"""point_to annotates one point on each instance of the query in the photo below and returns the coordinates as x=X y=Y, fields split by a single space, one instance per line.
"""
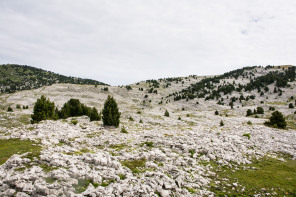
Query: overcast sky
x=121 y=42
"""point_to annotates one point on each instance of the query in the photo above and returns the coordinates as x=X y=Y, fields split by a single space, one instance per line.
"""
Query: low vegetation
x=17 y=146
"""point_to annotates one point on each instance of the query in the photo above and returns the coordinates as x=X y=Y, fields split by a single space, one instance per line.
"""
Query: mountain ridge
x=16 y=77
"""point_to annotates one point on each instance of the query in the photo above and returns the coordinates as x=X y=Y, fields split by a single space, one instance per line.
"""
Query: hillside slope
x=188 y=153
x=21 y=77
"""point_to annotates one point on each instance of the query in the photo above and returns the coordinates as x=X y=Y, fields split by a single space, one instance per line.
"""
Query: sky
x=123 y=42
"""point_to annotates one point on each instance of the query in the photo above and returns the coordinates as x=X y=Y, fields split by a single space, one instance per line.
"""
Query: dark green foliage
x=46 y=110
x=110 y=112
x=179 y=118
x=128 y=87
x=271 y=108
x=166 y=113
x=277 y=120
x=141 y=121
x=216 y=112
x=43 y=110
x=291 y=106
x=131 y=118
x=18 y=106
x=75 y=108
x=221 y=123
x=94 y=115
x=9 y=109
x=123 y=130
x=249 y=112
x=24 y=107
x=260 y=110
x=17 y=77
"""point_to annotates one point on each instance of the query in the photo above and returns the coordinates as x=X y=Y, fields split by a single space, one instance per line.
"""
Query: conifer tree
x=43 y=110
x=166 y=113
x=110 y=112
x=94 y=115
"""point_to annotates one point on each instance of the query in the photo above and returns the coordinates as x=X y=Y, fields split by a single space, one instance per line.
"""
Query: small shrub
x=216 y=112
x=277 y=120
x=291 y=106
x=140 y=121
x=149 y=144
x=187 y=115
x=9 y=109
x=249 y=123
x=131 y=118
x=123 y=130
x=221 y=123
x=122 y=176
x=271 y=108
x=191 y=151
x=249 y=112
x=74 y=121
x=248 y=135
x=260 y=110
x=18 y=106
x=24 y=107
x=181 y=119
x=166 y=113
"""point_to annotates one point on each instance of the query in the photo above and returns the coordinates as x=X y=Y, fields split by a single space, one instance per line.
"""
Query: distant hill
x=21 y=77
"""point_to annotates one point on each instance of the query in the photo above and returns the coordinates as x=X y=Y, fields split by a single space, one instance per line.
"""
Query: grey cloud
x=121 y=42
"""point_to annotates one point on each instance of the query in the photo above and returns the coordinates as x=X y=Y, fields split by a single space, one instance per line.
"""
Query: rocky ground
x=158 y=156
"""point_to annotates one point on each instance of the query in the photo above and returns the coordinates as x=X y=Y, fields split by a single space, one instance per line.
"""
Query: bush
x=18 y=106
x=43 y=110
x=73 y=121
x=249 y=112
x=166 y=113
x=75 y=108
x=277 y=120
x=216 y=112
x=123 y=130
x=221 y=123
x=131 y=119
x=141 y=121
x=249 y=123
x=94 y=115
x=260 y=110
x=271 y=108
x=110 y=112
x=9 y=109
x=291 y=106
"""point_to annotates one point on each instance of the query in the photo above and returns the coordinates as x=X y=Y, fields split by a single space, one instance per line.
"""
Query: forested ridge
x=15 y=77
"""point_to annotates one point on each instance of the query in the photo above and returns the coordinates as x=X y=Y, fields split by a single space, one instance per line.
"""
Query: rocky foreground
x=175 y=155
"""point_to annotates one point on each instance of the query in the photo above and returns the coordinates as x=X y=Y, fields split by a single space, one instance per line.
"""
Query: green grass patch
x=248 y=135
x=137 y=166
x=50 y=180
x=278 y=103
x=118 y=147
x=266 y=175
x=291 y=125
x=46 y=168
x=17 y=146
x=82 y=185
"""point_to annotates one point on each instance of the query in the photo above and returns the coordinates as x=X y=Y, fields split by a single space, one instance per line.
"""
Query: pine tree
x=166 y=113
x=94 y=115
x=277 y=119
x=43 y=110
x=110 y=112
